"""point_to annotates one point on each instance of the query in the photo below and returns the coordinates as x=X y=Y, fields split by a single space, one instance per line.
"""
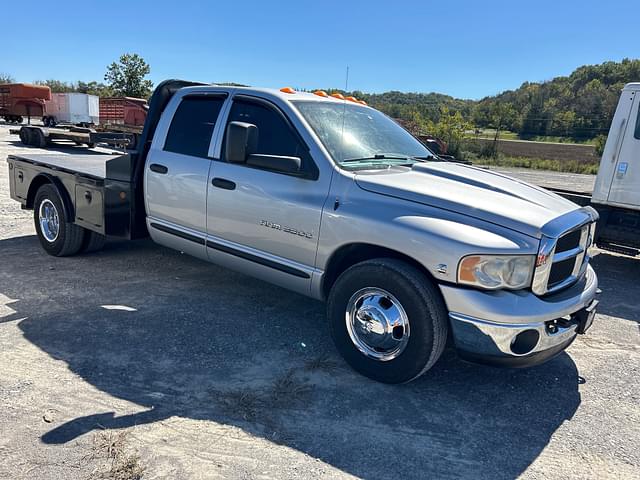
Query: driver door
x=260 y=221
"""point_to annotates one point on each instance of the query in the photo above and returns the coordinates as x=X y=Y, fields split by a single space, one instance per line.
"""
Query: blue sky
x=462 y=48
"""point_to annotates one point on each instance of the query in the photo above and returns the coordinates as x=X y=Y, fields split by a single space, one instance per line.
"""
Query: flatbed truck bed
x=98 y=188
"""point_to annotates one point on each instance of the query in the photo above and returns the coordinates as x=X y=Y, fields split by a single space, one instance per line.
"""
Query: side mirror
x=276 y=163
x=241 y=141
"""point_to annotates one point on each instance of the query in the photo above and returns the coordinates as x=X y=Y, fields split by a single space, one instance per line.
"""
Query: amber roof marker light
x=287 y=90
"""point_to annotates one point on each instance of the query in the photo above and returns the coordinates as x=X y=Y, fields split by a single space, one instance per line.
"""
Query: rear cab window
x=192 y=125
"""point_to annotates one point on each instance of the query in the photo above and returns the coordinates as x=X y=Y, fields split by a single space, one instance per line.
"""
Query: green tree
x=95 y=88
x=601 y=141
x=126 y=77
x=57 y=86
x=450 y=128
x=6 y=78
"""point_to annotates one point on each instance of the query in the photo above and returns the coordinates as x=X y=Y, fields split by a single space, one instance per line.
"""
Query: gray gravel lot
x=216 y=375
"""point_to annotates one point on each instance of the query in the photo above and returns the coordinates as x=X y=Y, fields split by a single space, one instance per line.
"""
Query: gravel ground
x=140 y=357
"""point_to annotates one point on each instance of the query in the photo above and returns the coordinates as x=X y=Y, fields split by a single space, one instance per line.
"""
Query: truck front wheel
x=57 y=235
x=387 y=319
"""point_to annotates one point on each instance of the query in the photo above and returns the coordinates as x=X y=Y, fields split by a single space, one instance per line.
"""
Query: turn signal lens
x=287 y=90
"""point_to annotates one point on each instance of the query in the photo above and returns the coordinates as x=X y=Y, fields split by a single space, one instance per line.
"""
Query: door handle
x=223 y=183
x=156 y=167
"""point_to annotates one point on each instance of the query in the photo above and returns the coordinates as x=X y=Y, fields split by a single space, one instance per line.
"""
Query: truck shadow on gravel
x=619 y=280
x=182 y=338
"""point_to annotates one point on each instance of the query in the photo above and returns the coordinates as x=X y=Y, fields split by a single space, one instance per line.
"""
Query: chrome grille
x=563 y=253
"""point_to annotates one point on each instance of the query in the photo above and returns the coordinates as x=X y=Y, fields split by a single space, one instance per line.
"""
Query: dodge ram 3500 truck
x=332 y=199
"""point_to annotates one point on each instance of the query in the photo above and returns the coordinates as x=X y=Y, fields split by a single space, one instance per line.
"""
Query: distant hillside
x=427 y=105
x=580 y=105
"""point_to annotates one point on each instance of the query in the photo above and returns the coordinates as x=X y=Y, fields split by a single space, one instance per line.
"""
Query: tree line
x=579 y=106
x=124 y=78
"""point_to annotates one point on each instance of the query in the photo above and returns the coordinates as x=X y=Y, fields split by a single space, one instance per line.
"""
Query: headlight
x=497 y=271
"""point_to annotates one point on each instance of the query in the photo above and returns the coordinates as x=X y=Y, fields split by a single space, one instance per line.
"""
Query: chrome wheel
x=49 y=220
x=377 y=324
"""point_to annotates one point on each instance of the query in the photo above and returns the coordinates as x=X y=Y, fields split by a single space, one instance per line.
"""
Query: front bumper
x=516 y=328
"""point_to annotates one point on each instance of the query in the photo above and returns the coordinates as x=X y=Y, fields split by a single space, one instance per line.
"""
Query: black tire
x=91 y=145
x=422 y=303
x=18 y=119
x=25 y=138
x=39 y=140
x=69 y=237
x=93 y=241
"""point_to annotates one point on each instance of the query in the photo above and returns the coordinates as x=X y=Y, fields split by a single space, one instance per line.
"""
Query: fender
x=44 y=178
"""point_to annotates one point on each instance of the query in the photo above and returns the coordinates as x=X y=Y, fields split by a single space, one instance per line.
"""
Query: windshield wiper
x=378 y=156
x=428 y=158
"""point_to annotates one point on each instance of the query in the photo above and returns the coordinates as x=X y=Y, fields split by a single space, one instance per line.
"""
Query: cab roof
x=285 y=94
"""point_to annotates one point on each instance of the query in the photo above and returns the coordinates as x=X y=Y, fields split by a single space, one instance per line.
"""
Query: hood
x=471 y=191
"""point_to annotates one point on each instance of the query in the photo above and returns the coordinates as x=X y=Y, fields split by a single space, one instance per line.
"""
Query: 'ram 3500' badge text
x=293 y=231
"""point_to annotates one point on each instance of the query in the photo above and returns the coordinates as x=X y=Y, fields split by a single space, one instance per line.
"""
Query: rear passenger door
x=177 y=170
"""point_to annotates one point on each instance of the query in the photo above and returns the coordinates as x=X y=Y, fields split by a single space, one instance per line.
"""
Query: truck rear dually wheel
x=93 y=241
x=57 y=235
x=387 y=319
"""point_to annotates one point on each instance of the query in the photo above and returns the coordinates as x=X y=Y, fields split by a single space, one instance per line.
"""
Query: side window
x=192 y=125
x=275 y=135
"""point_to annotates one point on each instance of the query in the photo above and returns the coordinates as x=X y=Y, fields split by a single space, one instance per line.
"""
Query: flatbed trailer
x=38 y=136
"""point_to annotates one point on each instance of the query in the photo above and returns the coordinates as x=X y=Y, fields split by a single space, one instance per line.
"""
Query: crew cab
x=330 y=198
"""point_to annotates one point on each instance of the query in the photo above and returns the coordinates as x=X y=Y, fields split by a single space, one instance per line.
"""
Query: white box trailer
x=72 y=108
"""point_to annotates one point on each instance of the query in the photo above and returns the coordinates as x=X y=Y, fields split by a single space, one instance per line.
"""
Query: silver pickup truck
x=330 y=198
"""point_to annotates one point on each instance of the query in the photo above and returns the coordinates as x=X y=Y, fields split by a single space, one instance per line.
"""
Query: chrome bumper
x=518 y=327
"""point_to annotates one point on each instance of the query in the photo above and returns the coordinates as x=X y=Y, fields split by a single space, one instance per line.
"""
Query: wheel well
x=36 y=183
x=44 y=179
x=348 y=255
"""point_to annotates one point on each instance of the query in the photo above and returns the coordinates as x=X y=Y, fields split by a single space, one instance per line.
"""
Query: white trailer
x=73 y=109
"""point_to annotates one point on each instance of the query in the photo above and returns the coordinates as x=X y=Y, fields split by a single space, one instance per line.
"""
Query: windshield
x=359 y=137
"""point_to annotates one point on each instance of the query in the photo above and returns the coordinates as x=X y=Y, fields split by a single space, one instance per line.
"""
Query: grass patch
x=118 y=461
x=568 y=166
x=322 y=364
x=489 y=134
x=258 y=405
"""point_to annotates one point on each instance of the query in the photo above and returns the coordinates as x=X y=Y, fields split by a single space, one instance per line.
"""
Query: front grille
x=562 y=259
x=560 y=271
x=569 y=241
